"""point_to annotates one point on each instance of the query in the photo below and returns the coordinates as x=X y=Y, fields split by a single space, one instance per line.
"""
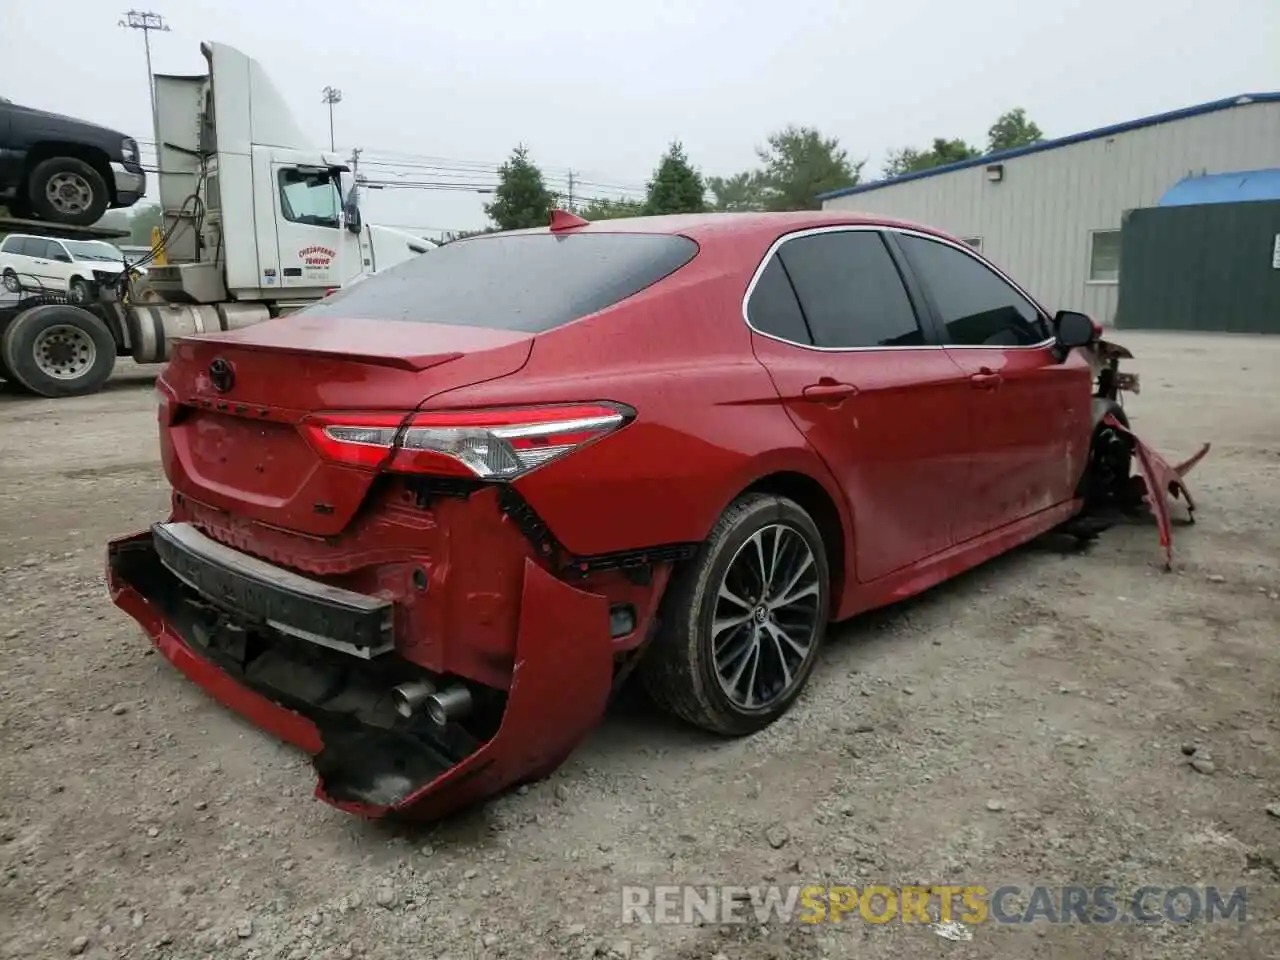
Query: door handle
x=985 y=380
x=828 y=391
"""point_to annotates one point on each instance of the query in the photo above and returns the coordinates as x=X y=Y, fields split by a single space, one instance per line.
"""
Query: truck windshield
x=528 y=282
x=309 y=197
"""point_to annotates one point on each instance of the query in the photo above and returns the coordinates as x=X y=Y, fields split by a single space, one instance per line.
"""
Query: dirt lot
x=1020 y=725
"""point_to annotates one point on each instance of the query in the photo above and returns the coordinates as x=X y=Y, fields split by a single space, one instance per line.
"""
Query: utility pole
x=570 y=191
x=146 y=21
x=332 y=95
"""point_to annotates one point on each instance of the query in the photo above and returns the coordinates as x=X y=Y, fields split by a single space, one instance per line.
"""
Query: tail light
x=489 y=444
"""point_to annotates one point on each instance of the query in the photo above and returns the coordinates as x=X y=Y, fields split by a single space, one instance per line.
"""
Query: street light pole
x=146 y=21
x=332 y=95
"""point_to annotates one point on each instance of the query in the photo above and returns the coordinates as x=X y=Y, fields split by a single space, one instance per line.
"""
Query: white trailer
x=258 y=222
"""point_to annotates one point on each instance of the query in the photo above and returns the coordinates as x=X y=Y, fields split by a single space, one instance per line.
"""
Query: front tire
x=743 y=620
x=79 y=291
x=67 y=190
x=1106 y=482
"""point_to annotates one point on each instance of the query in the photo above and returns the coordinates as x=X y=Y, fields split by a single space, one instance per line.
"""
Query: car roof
x=743 y=226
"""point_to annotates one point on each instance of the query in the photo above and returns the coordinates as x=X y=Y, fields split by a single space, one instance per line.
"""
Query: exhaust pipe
x=446 y=706
x=410 y=697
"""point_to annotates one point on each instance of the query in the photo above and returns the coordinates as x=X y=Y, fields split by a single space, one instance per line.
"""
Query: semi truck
x=257 y=222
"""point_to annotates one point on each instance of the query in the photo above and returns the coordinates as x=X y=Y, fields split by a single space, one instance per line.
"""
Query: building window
x=975 y=242
x=1104 y=256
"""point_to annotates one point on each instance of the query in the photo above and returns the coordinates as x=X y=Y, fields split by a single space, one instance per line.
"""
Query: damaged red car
x=424 y=528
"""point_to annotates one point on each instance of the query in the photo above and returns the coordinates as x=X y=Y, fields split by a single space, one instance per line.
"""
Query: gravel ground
x=1022 y=724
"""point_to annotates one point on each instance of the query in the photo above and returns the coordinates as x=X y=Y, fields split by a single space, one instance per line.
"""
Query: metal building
x=1051 y=213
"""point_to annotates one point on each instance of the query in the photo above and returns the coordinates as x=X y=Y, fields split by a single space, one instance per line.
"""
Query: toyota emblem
x=222 y=375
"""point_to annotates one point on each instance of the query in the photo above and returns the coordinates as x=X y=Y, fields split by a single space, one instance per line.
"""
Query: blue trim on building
x=1241 y=186
x=1183 y=114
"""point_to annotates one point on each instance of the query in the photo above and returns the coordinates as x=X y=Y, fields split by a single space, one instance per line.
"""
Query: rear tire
x=67 y=190
x=5 y=373
x=58 y=351
x=733 y=654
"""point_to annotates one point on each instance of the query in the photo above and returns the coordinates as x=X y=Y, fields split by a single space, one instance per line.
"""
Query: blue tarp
x=1240 y=187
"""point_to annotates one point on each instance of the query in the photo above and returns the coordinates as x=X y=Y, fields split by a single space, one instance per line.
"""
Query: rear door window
x=521 y=282
x=850 y=290
x=16 y=246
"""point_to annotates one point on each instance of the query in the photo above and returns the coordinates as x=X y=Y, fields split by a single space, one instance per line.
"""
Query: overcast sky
x=602 y=87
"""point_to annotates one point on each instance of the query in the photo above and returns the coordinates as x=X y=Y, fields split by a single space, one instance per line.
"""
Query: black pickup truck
x=65 y=170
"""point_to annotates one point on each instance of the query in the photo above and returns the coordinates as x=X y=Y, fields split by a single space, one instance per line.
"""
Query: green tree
x=742 y=191
x=1011 y=130
x=141 y=221
x=605 y=209
x=521 y=199
x=799 y=163
x=943 y=151
x=136 y=220
x=676 y=186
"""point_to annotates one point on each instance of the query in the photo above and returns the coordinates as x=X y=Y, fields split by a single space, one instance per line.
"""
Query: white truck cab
x=254 y=212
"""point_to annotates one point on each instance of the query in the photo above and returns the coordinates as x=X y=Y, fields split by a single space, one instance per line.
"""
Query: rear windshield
x=526 y=282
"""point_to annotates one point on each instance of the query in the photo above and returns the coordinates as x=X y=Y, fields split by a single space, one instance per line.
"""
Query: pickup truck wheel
x=58 y=350
x=742 y=620
x=67 y=190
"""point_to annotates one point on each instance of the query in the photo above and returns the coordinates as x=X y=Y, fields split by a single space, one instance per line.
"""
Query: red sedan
x=424 y=528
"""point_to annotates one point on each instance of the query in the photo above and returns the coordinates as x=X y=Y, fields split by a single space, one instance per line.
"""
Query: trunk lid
x=231 y=435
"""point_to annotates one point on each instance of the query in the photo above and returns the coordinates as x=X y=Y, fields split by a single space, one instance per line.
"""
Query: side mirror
x=351 y=214
x=1071 y=329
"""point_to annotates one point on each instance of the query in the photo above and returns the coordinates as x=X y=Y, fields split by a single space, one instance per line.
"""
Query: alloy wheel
x=766 y=617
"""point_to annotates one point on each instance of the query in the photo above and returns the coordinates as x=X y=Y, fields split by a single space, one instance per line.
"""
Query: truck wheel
x=67 y=190
x=58 y=350
x=742 y=620
x=5 y=373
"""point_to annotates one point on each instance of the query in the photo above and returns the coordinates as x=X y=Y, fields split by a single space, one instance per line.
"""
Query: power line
x=479 y=171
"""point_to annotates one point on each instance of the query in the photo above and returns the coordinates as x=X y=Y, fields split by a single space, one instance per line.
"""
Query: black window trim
x=936 y=314
x=926 y=312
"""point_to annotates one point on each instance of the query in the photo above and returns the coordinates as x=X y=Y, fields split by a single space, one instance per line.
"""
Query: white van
x=32 y=264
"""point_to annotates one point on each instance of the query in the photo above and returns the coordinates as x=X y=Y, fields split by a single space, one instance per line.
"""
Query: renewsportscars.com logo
x=949 y=903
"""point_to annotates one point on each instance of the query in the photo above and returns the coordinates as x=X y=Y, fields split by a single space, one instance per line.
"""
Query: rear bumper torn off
x=559 y=688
